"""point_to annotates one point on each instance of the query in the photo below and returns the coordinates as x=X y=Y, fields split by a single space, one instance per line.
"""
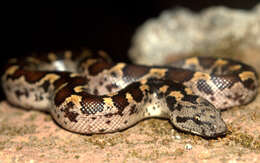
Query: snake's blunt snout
x=201 y=119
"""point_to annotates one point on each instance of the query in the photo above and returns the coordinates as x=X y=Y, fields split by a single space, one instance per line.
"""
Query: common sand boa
x=88 y=93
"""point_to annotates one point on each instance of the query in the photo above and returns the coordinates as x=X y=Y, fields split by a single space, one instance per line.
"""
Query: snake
x=87 y=93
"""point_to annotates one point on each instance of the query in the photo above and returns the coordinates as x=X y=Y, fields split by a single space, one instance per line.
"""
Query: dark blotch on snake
x=249 y=84
x=95 y=91
x=184 y=119
x=113 y=74
x=180 y=75
x=20 y=93
x=98 y=67
x=109 y=87
x=30 y=76
x=120 y=102
x=171 y=101
x=204 y=87
x=68 y=90
x=212 y=98
x=109 y=115
x=91 y=104
x=38 y=97
x=137 y=94
x=45 y=85
x=190 y=98
x=206 y=62
x=69 y=114
x=133 y=110
x=134 y=72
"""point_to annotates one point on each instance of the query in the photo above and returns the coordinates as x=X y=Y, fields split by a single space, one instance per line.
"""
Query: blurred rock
x=181 y=32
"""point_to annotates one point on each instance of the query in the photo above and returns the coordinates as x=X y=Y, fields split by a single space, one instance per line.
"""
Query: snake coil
x=88 y=93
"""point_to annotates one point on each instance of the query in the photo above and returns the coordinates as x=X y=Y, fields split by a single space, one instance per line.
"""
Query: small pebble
x=178 y=137
x=188 y=146
x=172 y=131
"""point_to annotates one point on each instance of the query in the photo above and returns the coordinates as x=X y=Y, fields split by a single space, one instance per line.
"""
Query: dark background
x=102 y=25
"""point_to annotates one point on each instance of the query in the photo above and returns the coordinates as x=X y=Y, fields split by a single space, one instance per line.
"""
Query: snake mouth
x=215 y=131
x=219 y=134
x=211 y=135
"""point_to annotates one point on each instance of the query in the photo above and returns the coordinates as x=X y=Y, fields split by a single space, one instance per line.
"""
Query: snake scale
x=85 y=92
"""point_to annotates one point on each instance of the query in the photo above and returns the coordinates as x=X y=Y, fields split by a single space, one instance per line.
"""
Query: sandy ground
x=32 y=136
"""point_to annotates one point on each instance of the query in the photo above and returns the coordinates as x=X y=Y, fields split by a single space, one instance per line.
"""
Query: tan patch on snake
x=103 y=54
x=108 y=101
x=158 y=72
x=90 y=62
x=164 y=88
x=200 y=75
x=246 y=75
x=177 y=94
x=33 y=60
x=192 y=61
x=235 y=67
x=11 y=70
x=51 y=77
x=118 y=67
x=74 y=75
x=188 y=91
x=112 y=94
x=221 y=62
x=52 y=57
x=68 y=54
x=144 y=87
x=74 y=99
x=143 y=81
x=129 y=97
x=62 y=86
x=79 y=88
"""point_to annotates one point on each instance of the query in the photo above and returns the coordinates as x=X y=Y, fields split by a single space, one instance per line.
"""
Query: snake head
x=201 y=119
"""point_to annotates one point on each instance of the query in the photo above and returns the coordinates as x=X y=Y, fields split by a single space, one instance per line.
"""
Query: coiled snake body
x=87 y=93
